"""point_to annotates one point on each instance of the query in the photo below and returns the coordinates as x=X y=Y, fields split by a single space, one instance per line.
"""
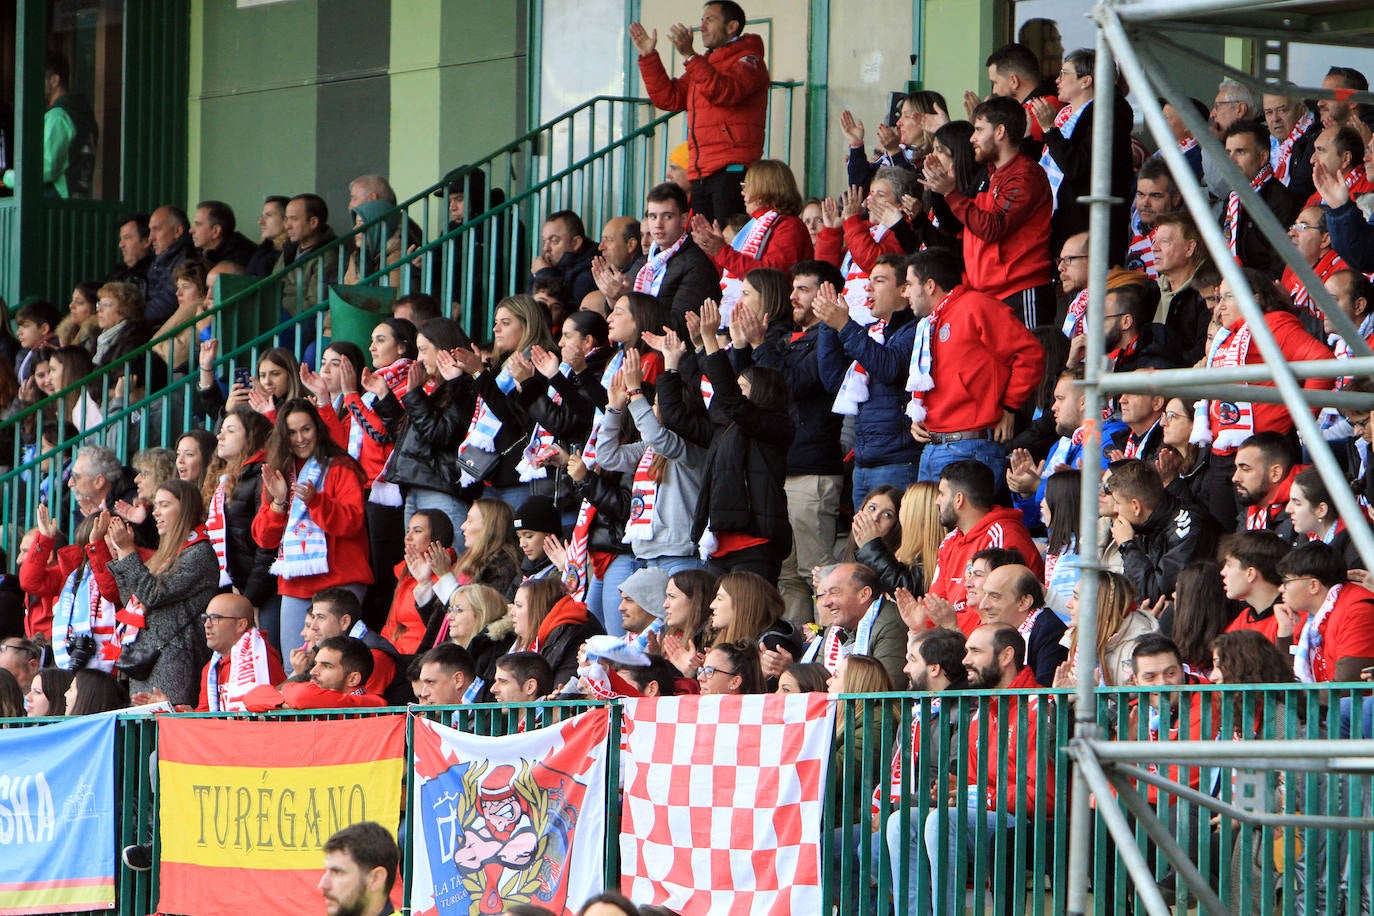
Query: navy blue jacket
x=882 y=430
x=1351 y=236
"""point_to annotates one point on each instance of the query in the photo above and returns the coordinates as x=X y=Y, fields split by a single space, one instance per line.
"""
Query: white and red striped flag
x=723 y=802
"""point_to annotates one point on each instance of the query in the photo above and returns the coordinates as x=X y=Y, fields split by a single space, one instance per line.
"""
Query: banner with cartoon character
x=517 y=819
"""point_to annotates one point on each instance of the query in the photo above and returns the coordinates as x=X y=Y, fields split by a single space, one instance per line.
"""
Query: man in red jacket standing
x=971 y=367
x=725 y=94
x=1006 y=225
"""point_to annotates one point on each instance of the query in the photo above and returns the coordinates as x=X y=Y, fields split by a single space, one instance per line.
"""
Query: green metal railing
x=869 y=857
x=469 y=267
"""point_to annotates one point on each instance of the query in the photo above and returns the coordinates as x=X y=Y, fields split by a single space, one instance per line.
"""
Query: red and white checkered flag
x=723 y=802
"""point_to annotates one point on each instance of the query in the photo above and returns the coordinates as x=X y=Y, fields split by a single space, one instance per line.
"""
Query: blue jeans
x=917 y=873
x=603 y=595
x=269 y=621
x=671 y=565
x=512 y=496
x=293 y=611
x=452 y=506
x=900 y=476
x=943 y=867
x=934 y=457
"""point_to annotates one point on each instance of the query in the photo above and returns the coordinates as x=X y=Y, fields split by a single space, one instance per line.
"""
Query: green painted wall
x=304 y=95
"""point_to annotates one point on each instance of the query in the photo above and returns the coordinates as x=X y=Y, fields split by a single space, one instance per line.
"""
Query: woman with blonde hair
x=151 y=467
x=859 y=727
x=500 y=423
x=912 y=563
x=775 y=236
x=492 y=553
x=478 y=619
x=1120 y=625
x=119 y=315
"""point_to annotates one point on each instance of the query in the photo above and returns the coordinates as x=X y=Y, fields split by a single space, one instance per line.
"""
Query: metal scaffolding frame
x=1126 y=32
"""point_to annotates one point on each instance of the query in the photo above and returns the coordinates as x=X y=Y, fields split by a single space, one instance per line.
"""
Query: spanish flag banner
x=244 y=808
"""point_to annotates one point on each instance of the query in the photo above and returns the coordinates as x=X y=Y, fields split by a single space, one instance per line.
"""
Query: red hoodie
x=337 y=508
x=1020 y=755
x=1007 y=229
x=1001 y=527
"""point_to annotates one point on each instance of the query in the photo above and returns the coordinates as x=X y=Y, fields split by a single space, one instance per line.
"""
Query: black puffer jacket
x=607 y=492
x=561 y=645
x=516 y=427
x=816 y=447
x=893 y=572
x=248 y=563
x=427 y=429
x=575 y=269
x=746 y=462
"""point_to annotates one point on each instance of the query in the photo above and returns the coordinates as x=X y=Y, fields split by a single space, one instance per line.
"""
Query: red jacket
x=1007 y=229
x=1001 y=527
x=1347 y=631
x=404 y=627
x=306 y=695
x=725 y=95
x=788 y=243
x=372 y=455
x=42 y=582
x=982 y=361
x=338 y=509
x=856 y=239
x=986 y=756
x=1296 y=344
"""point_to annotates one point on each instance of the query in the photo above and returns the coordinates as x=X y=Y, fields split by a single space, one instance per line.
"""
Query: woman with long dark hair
x=552 y=623
x=1198 y=614
x=687 y=619
x=311 y=514
x=164 y=596
x=233 y=496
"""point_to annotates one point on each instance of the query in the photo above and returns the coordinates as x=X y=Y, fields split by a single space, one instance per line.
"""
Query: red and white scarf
x=854 y=388
x=650 y=276
x=1297 y=290
x=1222 y=424
x=1284 y=153
x=577 y=573
x=1073 y=319
x=855 y=277
x=247 y=669
x=643 y=493
x=1309 y=642
x=541 y=440
x=1142 y=250
x=214 y=529
x=1233 y=207
x=133 y=617
x=1187 y=144
x=749 y=241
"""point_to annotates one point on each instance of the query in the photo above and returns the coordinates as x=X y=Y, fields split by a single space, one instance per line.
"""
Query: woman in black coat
x=742 y=512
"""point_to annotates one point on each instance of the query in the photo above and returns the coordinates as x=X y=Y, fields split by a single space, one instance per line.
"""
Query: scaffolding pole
x=1095 y=762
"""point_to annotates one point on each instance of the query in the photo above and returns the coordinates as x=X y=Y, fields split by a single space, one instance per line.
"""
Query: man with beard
x=1073 y=277
x=1130 y=336
x=1263 y=478
x=994 y=661
x=815 y=460
x=1007 y=224
x=360 y=864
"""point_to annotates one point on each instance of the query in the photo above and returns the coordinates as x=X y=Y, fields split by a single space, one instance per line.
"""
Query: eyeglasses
x=710 y=671
x=17 y=647
x=1170 y=416
x=1289 y=580
x=1070 y=258
x=1219 y=102
x=1299 y=227
x=1113 y=315
x=216 y=618
x=1359 y=424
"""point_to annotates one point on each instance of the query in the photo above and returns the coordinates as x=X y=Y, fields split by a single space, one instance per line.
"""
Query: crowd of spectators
x=638 y=481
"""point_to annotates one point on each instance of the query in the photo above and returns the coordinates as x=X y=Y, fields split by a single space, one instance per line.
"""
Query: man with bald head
x=242 y=659
x=169 y=231
x=620 y=242
x=862 y=622
x=1013 y=596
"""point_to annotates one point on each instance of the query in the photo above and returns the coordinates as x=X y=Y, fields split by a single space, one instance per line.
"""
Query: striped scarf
x=650 y=276
x=854 y=388
x=541 y=441
x=750 y=241
x=247 y=669
x=304 y=551
x=1327 y=265
x=1065 y=122
x=214 y=528
x=1222 y=424
x=486 y=426
x=1232 y=225
x=1310 y=641
x=96 y=618
x=1073 y=319
x=1142 y=249
x=855 y=277
x=612 y=367
x=577 y=576
x=919 y=380
x=1284 y=150
x=643 y=492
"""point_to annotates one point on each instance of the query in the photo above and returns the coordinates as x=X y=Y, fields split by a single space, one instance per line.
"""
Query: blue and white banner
x=57 y=817
x=500 y=821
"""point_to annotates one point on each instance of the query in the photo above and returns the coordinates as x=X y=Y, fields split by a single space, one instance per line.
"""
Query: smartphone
x=243 y=377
